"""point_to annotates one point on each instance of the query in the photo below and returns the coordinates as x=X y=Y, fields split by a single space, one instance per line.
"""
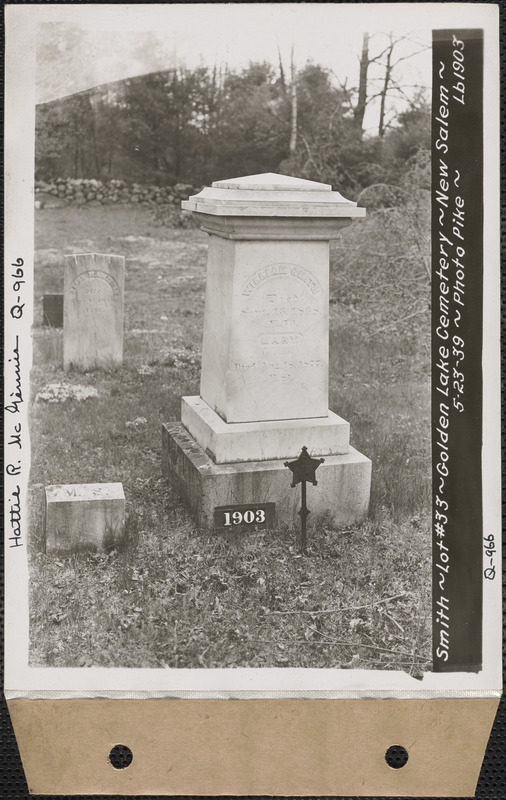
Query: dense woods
x=197 y=125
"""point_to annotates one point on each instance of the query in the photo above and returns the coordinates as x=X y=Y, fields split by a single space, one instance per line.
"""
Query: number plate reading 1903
x=242 y=517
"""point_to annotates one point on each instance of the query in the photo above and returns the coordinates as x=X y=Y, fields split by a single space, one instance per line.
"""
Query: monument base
x=262 y=441
x=341 y=497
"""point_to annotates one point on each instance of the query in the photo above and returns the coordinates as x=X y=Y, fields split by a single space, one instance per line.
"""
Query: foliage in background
x=381 y=268
x=198 y=125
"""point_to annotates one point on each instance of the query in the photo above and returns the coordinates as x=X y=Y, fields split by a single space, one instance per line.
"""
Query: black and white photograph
x=250 y=345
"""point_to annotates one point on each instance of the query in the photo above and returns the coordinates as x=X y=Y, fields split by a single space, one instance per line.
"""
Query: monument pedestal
x=341 y=497
x=264 y=381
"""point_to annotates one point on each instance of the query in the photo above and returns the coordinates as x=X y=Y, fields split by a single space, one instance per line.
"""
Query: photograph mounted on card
x=252 y=394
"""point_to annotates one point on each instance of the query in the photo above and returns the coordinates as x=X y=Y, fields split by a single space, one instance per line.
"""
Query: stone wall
x=81 y=191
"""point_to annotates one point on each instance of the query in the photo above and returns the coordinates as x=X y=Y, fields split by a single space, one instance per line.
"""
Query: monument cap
x=270 y=181
x=271 y=195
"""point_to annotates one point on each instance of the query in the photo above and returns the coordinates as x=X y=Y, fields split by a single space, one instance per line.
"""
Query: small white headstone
x=93 y=311
x=84 y=516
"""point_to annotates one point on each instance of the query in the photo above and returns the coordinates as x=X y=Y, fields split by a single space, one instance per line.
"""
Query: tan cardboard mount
x=279 y=747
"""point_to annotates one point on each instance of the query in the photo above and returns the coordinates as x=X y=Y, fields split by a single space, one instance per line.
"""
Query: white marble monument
x=93 y=311
x=264 y=381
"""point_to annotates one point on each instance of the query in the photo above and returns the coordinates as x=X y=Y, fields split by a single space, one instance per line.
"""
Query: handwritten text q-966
x=16 y=310
x=490 y=553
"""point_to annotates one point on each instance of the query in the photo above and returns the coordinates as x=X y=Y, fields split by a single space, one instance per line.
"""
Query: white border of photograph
x=20 y=679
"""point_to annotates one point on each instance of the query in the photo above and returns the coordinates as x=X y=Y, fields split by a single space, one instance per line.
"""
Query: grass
x=175 y=596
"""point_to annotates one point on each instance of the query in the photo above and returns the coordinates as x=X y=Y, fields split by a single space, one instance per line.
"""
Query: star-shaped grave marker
x=304 y=469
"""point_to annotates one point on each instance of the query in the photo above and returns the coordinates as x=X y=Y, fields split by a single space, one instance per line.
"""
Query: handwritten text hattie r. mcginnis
x=17 y=395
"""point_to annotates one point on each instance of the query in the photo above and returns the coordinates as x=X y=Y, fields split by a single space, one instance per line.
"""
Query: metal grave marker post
x=304 y=469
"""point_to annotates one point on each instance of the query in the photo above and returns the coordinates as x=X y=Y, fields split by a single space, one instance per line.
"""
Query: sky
x=85 y=45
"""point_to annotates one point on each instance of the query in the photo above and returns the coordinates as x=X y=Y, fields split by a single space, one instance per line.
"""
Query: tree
x=327 y=145
x=411 y=132
x=50 y=141
x=253 y=134
x=378 y=79
x=359 y=111
x=66 y=135
x=389 y=86
x=293 y=106
x=108 y=132
x=166 y=117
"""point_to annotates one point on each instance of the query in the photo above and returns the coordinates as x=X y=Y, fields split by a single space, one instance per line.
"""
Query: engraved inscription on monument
x=90 y=291
x=281 y=341
x=94 y=291
x=283 y=270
